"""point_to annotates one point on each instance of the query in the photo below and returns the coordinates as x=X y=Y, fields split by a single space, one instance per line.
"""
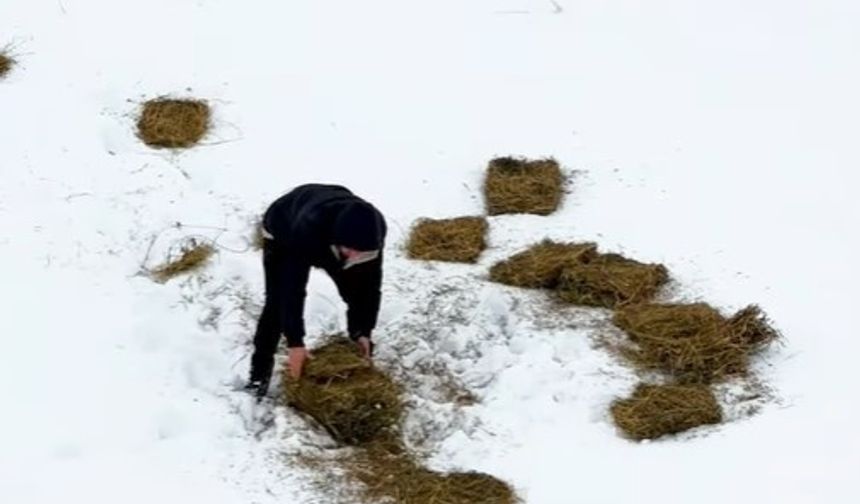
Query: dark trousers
x=268 y=327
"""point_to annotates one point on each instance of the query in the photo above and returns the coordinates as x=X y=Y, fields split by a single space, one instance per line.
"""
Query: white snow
x=718 y=138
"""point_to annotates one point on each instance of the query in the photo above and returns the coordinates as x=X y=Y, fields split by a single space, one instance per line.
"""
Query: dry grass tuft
x=172 y=123
x=610 y=281
x=355 y=402
x=541 y=265
x=657 y=410
x=752 y=328
x=257 y=238
x=693 y=343
x=516 y=185
x=192 y=256
x=389 y=473
x=6 y=63
x=461 y=239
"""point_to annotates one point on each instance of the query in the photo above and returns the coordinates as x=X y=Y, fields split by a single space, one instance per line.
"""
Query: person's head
x=358 y=228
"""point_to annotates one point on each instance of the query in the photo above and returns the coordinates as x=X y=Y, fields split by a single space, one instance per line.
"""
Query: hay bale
x=461 y=239
x=610 y=281
x=6 y=63
x=541 y=265
x=360 y=405
x=693 y=343
x=355 y=402
x=657 y=410
x=517 y=185
x=675 y=321
x=172 y=123
x=396 y=475
x=192 y=256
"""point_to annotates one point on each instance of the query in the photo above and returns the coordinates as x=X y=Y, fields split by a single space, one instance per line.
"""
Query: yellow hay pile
x=693 y=343
x=387 y=473
x=514 y=185
x=541 y=265
x=361 y=406
x=610 y=281
x=172 y=123
x=456 y=240
x=656 y=410
x=355 y=402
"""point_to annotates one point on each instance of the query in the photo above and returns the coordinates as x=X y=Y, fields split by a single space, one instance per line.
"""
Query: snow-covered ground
x=718 y=138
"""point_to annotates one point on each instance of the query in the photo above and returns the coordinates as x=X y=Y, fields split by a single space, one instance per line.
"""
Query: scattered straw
x=6 y=64
x=355 y=402
x=752 y=328
x=172 y=123
x=693 y=343
x=657 y=410
x=192 y=256
x=517 y=185
x=610 y=281
x=541 y=265
x=457 y=240
x=387 y=473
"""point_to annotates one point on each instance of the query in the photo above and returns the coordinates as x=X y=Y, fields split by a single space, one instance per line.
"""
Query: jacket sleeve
x=360 y=287
x=291 y=285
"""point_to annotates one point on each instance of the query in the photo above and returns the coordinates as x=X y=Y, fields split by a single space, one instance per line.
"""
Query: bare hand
x=296 y=361
x=364 y=346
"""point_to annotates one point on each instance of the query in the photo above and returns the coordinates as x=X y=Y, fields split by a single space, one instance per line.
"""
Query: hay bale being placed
x=191 y=256
x=396 y=475
x=456 y=240
x=172 y=123
x=541 y=265
x=6 y=63
x=693 y=342
x=522 y=186
x=360 y=405
x=657 y=410
x=355 y=402
x=610 y=281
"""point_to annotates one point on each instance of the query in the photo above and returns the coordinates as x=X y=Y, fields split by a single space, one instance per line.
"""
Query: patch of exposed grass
x=461 y=239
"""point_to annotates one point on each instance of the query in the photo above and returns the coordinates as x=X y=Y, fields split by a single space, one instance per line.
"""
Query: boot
x=258 y=388
x=261 y=373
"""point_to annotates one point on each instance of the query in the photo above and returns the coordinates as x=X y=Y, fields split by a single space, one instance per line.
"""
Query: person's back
x=305 y=211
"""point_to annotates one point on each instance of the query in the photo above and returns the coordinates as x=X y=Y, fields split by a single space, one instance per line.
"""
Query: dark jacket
x=304 y=225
